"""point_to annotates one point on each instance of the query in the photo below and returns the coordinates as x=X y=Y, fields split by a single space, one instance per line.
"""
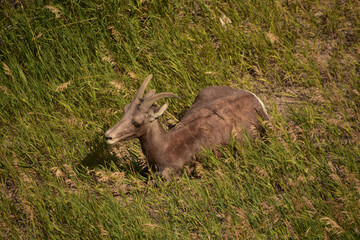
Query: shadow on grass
x=102 y=156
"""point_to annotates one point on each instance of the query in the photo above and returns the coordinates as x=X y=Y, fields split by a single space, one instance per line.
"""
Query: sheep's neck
x=154 y=141
x=170 y=148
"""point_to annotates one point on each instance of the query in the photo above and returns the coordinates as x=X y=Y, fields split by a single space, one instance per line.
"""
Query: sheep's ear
x=157 y=114
x=150 y=93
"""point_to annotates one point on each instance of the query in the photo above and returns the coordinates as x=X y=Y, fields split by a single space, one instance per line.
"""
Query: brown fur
x=217 y=113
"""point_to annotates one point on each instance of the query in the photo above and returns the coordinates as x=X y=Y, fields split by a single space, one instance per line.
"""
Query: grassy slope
x=68 y=68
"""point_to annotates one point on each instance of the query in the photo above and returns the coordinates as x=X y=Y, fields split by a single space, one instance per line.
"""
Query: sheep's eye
x=136 y=124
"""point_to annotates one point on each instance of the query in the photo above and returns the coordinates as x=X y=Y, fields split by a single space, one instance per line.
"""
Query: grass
x=69 y=67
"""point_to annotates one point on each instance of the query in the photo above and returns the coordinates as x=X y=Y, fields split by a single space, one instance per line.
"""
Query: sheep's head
x=138 y=114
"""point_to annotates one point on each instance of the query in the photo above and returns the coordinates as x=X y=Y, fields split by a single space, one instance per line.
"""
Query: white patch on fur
x=262 y=104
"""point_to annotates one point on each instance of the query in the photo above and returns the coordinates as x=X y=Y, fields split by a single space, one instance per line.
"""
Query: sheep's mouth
x=114 y=140
x=111 y=141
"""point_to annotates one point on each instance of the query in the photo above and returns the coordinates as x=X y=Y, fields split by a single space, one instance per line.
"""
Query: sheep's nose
x=107 y=137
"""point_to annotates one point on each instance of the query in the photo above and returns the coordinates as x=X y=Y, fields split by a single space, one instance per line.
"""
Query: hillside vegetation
x=67 y=68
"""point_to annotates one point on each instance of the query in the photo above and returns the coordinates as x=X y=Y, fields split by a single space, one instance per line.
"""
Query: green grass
x=67 y=68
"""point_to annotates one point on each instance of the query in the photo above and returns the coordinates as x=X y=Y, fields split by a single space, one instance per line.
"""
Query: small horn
x=149 y=101
x=143 y=86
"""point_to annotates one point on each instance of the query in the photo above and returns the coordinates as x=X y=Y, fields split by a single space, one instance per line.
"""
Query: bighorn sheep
x=217 y=113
